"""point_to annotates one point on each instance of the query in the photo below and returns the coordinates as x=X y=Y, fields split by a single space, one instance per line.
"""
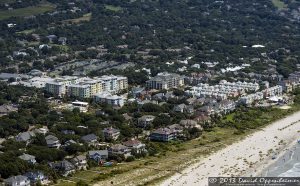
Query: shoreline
x=244 y=157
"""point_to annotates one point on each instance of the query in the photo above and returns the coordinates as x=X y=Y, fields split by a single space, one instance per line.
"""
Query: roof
x=63 y=165
x=162 y=131
x=26 y=157
x=8 y=108
x=89 y=137
x=110 y=130
x=35 y=175
x=188 y=122
x=99 y=152
x=13 y=179
x=132 y=143
x=79 y=158
x=24 y=136
x=118 y=147
x=51 y=139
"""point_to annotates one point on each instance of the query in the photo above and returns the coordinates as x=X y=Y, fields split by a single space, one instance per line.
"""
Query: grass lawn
x=28 y=11
x=85 y=17
x=279 y=4
x=113 y=8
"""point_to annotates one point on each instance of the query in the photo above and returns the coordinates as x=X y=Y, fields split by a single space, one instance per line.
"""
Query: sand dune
x=244 y=158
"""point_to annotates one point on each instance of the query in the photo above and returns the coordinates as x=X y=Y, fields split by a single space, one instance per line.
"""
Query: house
x=51 y=38
x=119 y=149
x=80 y=162
x=69 y=142
x=163 y=134
x=37 y=176
x=64 y=167
x=111 y=133
x=177 y=129
x=145 y=121
x=184 y=109
x=62 y=40
x=135 y=145
x=202 y=118
x=52 y=141
x=90 y=139
x=98 y=155
x=29 y=158
x=68 y=132
x=44 y=130
x=17 y=181
x=190 y=124
x=25 y=137
x=6 y=109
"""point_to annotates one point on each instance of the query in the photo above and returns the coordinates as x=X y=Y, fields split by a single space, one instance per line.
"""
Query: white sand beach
x=244 y=158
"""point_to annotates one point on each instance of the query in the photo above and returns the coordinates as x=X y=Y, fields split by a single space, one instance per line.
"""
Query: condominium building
x=58 y=86
x=223 y=90
x=113 y=83
x=249 y=99
x=166 y=81
x=241 y=85
x=273 y=91
x=85 y=87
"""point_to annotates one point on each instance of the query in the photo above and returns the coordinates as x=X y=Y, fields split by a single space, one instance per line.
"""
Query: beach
x=252 y=156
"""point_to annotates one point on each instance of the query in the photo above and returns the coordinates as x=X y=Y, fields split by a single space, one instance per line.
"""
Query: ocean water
x=286 y=166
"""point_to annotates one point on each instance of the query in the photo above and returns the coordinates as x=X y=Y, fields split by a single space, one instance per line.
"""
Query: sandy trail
x=246 y=157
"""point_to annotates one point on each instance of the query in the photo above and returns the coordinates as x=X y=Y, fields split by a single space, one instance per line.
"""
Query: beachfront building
x=287 y=85
x=163 y=134
x=165 y=80
x=273 y=91
x=249 y=99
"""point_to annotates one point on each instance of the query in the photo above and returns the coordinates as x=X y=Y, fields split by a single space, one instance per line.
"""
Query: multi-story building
x=249 y=99
x=223 y=90
x=163 y=134
x=113 y=83
x=145 y=121
x=273 y=91
x=166 y=81
x=295 y=77
x=111 y=133
x=58 y=86
x=107 y=98
x=85 y=87
x=287 y=85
